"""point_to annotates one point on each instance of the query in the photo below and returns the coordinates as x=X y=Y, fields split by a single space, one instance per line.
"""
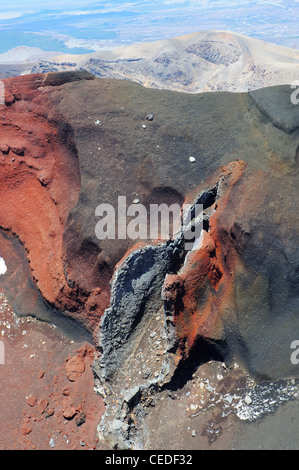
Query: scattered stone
x=43 y=405
x=143 y=126
x=69 y=413
x=4 y=149
x=229 y=399
x=18 y=151
x=136 y=201
x=193 y=433
x=192 y=159
x=146 y=374
x=150 y=117
x=248 y=400
x=98 y=123
x=75 y=367
x=31 y=401
x=9 y=99
x=49 y=413
x=80 y=418
x=26 y=428
x=52 y=442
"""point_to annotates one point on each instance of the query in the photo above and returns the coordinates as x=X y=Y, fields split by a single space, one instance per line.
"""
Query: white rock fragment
x=191 y=159
x=98 y=123
x=3 y=267
x=51 y=442
x=247 y=400
x=136 y=201
x=228 y=398
x=143 y=126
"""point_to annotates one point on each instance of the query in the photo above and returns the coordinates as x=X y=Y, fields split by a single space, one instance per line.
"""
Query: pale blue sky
x=126 y=21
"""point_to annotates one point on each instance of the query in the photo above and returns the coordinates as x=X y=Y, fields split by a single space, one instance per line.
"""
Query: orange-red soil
x=47 y=397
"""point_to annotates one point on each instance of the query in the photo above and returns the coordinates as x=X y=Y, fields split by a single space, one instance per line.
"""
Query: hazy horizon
x=84 y=26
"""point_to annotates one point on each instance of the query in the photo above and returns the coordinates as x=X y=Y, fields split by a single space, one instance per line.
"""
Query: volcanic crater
x=153 y=324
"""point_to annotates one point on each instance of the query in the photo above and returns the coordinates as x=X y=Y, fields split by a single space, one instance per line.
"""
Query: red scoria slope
x=40 y=183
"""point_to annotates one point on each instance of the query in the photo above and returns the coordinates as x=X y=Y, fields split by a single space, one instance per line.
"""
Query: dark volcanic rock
x=136 y=290
x=281 y=112
x=59 y=78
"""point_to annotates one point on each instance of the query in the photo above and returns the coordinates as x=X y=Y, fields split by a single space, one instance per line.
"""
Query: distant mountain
x=199 y=62
x=24 y=54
